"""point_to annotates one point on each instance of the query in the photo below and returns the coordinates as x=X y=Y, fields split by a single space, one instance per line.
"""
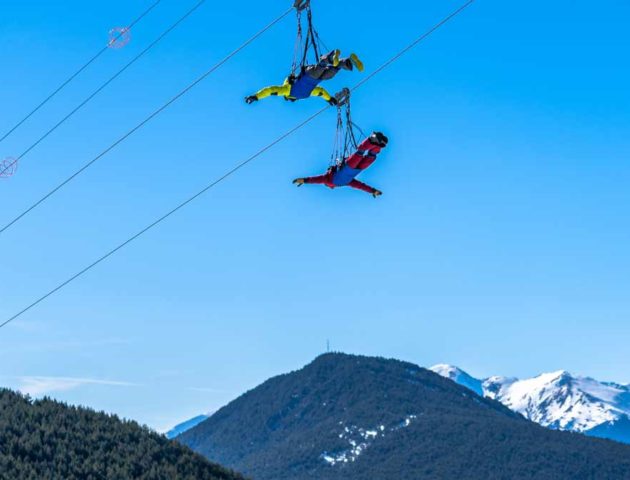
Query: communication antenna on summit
x=327 y=346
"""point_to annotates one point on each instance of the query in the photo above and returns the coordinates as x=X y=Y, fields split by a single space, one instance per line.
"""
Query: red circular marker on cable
x=8 y=167
x=119 y=37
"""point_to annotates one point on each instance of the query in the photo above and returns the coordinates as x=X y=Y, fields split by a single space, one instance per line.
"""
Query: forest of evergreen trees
x=46 y=440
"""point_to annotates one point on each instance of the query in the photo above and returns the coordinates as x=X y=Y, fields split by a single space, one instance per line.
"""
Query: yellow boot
x=357 y=62
x=335 y=60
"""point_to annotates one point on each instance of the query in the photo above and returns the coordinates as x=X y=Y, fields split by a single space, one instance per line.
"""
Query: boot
x=335 y=61
x=357 y=62
x=346 y=64
x=331 y=57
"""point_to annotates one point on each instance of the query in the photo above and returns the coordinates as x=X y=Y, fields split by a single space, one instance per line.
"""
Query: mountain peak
x=557 y=376
x=340 y=358
x=447 y=370
x=557 y=400
x=458 y=376
x=351 y=417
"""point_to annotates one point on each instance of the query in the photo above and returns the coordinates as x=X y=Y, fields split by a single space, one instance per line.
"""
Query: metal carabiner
x=343 y=97
x=301 y=5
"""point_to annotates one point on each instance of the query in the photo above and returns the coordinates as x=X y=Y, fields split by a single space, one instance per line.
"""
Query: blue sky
x=500 y=243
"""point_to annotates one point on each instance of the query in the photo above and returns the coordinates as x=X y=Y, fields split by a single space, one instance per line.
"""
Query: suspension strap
x=306 y=48
x=313 y=35
x=311 y=41
x=346 y=141
x=351 y=143
x=338 y=143
x=298 y=43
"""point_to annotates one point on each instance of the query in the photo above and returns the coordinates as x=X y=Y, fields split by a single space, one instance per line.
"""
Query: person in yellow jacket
x=306 y=84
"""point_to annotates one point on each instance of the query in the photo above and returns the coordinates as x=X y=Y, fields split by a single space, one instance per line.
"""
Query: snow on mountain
x=360 y=439
x=563 y=402
x=557 y=400
x=459 y=376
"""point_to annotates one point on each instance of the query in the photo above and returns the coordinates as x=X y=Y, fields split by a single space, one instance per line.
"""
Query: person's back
x=303 y=86
x=344 y=174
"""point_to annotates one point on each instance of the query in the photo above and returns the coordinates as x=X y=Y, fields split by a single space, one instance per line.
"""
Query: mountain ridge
x=185 y=426
x=352 y=417
x=557 y=400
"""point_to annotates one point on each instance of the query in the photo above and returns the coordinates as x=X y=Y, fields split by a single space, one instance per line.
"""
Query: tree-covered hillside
x=46 y=440
x=357 y=418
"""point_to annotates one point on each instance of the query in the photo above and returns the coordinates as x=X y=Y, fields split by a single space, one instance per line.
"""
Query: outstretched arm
x=321 y=92
x=366 y=188
x=282 y=90
x=318 y=180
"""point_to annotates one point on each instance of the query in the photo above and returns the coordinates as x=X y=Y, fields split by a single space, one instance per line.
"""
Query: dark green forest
x=287 y=427
x=46 y=440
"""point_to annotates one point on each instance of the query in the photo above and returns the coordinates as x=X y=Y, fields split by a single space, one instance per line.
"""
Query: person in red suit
x=344 y=174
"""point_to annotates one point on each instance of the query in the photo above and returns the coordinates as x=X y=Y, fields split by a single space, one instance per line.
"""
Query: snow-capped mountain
x=460 y=377
x=558 y=400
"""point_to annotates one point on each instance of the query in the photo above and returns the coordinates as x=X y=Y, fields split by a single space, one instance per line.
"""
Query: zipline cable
x=78 y=72
x=106 y=84
x=230 y=172
x=413 y=44
x=144 y=122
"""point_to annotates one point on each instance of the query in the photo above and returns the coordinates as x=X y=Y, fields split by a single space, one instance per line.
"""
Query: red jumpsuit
x=345 y=174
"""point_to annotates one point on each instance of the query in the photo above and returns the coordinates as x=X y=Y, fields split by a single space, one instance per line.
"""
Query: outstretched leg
x=366 y=188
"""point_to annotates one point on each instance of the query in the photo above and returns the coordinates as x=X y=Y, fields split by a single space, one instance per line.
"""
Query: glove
x=251 y=99
x=333 y=101
x=299 y=182
x=377 y=193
